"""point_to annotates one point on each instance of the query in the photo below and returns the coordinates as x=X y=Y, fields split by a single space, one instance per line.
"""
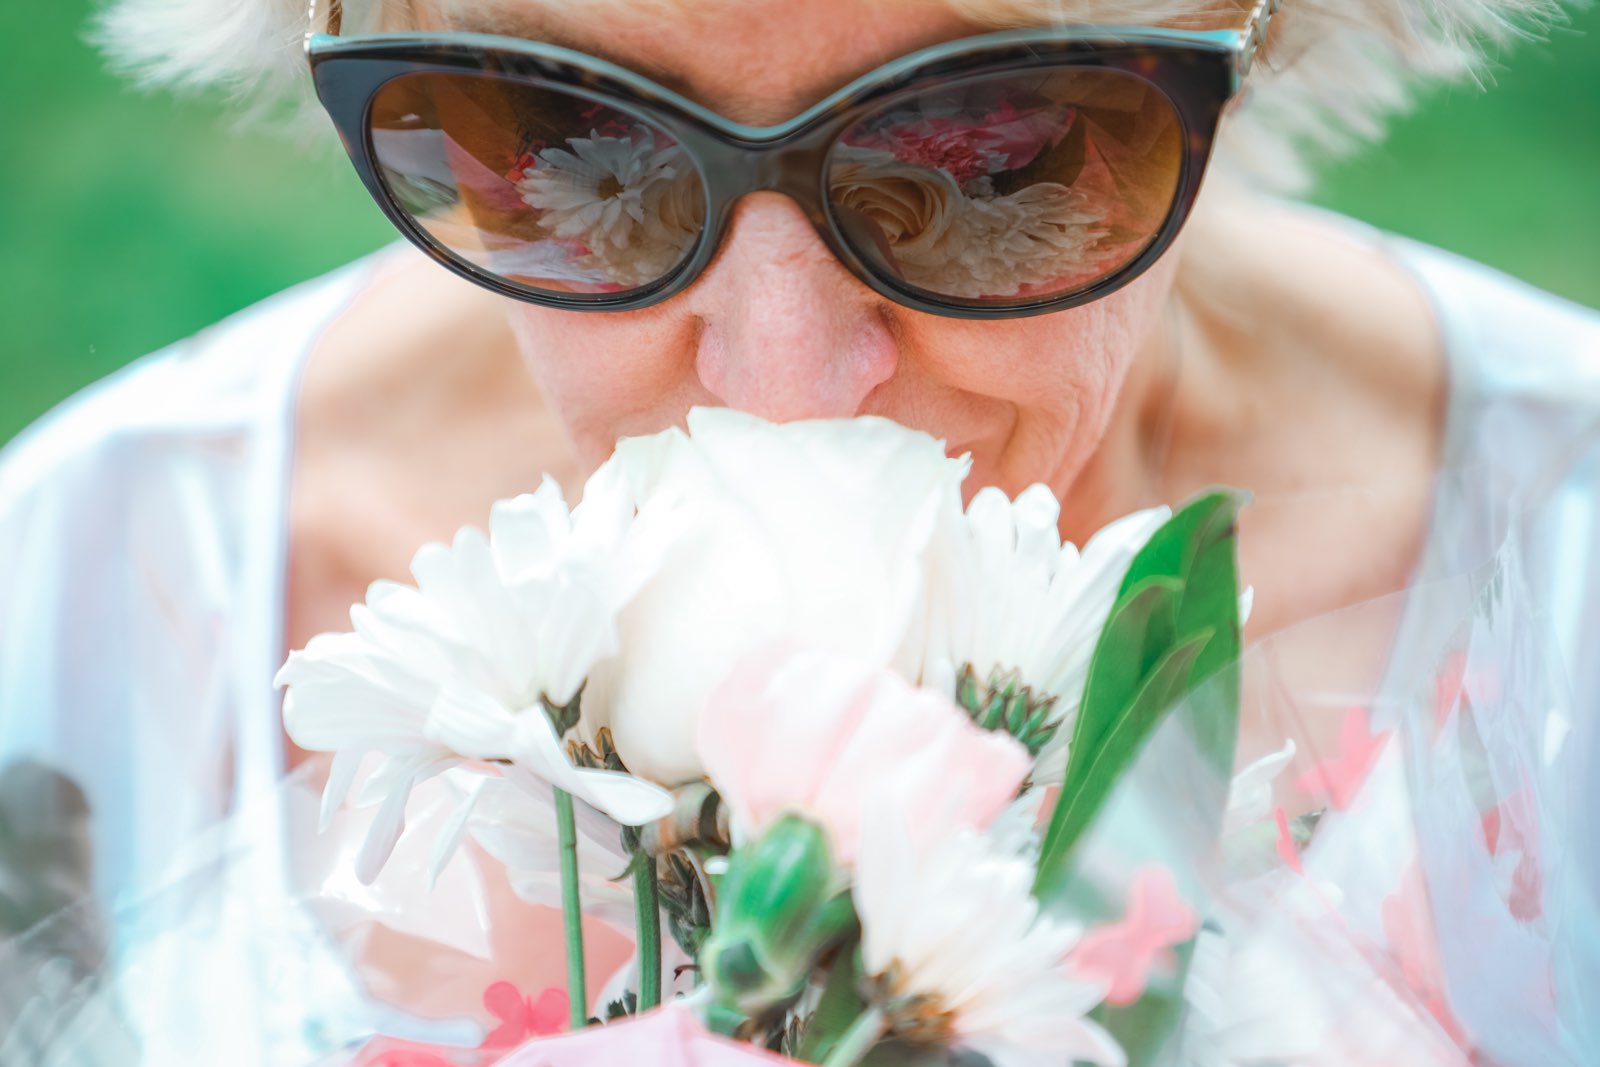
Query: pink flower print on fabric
x=1339 y=777
x=1458 y=685
x=1511 y=833
x=1408 y=926
x=1288 y=851
x=1126 y=953
x=523 y=1017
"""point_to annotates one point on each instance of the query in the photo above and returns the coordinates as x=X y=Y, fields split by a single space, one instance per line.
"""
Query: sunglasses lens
x=1009 y=189
x=548 y=191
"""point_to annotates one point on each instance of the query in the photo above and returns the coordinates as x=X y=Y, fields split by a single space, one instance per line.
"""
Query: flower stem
x=858 y=1040
x=647 y=916
x=572 y=910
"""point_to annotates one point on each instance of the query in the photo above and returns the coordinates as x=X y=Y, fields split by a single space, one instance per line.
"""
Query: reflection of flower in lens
x=968 y=145
x=970 y=246
x=633 y=205
x=911 y=205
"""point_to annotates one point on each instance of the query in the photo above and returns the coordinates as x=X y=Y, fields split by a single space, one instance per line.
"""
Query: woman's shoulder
x=1521 y=366
x=1501 y=336
x=218 y=383
x=1515 y=338
x=139 y=532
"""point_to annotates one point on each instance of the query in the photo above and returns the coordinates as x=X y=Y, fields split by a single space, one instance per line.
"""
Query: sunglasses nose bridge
x=794 y=170
x=783 y=167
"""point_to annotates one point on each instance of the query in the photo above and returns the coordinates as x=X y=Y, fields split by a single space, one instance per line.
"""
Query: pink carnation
x=825 y=736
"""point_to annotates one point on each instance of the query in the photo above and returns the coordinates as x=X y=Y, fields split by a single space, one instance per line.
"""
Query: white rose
x=912 y=205
x=814 y=531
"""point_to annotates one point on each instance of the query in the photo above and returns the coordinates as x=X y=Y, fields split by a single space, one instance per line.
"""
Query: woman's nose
x=787 y=332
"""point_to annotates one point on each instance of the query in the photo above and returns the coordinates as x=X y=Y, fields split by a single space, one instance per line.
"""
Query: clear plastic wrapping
x=1405 y=875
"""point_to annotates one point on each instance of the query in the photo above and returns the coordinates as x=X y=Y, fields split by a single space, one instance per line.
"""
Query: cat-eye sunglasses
x=1003 y=175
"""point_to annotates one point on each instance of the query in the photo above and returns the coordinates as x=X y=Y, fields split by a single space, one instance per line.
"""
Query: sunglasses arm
x=1252 y=36
x=324 y=17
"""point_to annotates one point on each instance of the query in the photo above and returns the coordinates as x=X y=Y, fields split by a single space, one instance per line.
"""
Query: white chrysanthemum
x=1011 y=596
x=995 y=246
x=953 y=940
x=461 y=666
x=514 y=821
x=1250 y=793
x=633 y=205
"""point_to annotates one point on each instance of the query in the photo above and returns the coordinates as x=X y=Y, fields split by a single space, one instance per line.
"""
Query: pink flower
x=1340 y=777
x=821 y=735
x=523 y=1017
x=1124 y=953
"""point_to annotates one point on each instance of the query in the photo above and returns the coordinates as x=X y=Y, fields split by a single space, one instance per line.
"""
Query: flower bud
x=781 y=906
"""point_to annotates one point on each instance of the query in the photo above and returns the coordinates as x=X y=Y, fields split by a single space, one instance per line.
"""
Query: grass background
x=131 y=219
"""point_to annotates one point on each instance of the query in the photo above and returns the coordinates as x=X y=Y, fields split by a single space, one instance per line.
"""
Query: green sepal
x=1004 y=704
x=841 y=1004
x=781 y=906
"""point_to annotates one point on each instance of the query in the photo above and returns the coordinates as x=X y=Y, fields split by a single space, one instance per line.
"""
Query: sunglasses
x=1005 y=175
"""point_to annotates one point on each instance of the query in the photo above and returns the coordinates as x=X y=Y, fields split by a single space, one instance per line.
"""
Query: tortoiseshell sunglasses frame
x=1198 y=71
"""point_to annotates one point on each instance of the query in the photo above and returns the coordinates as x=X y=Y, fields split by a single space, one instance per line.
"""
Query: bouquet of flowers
x=840 y=737
x=771 y=750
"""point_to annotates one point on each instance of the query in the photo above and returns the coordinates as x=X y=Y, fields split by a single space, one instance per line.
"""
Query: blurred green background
x=130 y=219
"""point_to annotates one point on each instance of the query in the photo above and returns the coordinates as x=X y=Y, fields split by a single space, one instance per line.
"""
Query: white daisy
x=1012 y=596
x=997 y=245
x=472 y=662
x=514 y=822
x=957 y=952
x=635 y=206
x=1250 y=793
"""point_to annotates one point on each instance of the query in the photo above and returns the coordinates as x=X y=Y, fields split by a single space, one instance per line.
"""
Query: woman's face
x=776 y=326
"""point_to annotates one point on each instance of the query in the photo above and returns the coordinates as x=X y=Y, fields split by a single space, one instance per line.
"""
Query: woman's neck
x=1299 y=362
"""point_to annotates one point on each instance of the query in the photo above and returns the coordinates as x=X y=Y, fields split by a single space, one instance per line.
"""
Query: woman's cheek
x=607 y=376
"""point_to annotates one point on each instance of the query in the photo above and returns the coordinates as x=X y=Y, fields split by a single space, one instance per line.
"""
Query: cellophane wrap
x=1414 y=882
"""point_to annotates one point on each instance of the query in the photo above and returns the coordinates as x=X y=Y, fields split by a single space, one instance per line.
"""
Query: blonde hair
x=1333 y=71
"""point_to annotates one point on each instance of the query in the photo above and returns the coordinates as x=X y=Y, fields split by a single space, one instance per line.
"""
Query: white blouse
x=143 y=538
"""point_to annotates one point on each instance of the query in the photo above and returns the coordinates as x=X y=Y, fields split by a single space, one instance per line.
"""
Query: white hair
x=1332 y=73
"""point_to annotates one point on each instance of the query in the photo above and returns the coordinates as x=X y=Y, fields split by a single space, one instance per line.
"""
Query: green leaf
x=1141 y=617
x=1174 y=626
x=1199 y=547
x=1081 y=797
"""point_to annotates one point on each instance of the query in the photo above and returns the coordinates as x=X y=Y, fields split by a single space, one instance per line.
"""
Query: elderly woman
x=1060 y=249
